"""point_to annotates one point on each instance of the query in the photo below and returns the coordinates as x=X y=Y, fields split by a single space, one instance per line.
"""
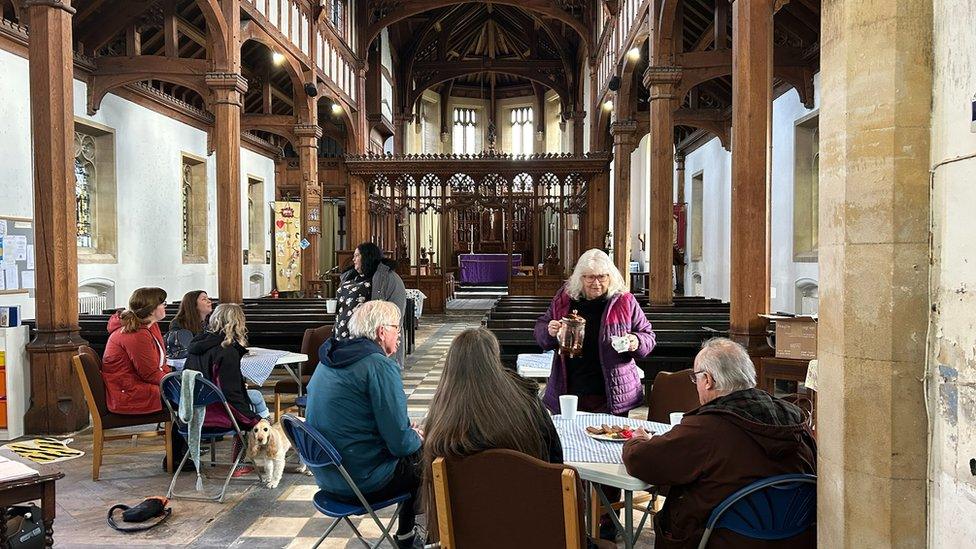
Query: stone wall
x=952 y=334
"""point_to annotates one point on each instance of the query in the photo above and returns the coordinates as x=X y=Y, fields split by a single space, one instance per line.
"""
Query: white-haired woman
x=217 y=354
x=356 y=400
x=604 y=379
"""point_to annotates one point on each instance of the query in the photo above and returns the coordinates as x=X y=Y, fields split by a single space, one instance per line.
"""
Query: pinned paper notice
x=30 y=256
x=27 y=280
x=3 y=227
x=14 y=247
x=305 y=243
x=11 y=277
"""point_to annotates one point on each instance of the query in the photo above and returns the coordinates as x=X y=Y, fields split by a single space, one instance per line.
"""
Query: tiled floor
x=252 y=516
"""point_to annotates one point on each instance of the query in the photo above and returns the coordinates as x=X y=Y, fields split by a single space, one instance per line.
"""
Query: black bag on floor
x=150 y=508
x=25 y=527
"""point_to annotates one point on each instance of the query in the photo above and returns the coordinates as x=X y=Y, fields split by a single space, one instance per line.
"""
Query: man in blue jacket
x=356 y=400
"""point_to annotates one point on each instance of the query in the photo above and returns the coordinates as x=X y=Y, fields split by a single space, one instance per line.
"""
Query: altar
x=486 y=268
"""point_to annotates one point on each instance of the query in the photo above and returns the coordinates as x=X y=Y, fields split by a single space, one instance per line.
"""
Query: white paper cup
x=567 y=406
x=676 y=417
x=330 y=306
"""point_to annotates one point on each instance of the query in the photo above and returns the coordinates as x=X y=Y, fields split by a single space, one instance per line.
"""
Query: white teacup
x=621 y=344
x=567 y=406
x=676 y=417
x=330 y=306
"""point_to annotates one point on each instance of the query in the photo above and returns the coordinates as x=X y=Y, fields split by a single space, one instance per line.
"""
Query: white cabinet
x=13 y=343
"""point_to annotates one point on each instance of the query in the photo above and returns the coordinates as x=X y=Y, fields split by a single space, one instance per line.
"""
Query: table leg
x=48 y=509
x=300 y=388
x=48 y=533
x=628 y=519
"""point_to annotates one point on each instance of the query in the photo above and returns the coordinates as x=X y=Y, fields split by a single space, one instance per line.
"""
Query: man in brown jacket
x=738 y=435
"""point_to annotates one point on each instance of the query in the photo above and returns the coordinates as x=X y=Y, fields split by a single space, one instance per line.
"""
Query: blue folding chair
x=204 y=394
x=772 y=508
x=316 y=451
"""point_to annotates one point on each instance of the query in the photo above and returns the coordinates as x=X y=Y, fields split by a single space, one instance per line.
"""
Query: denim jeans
x=258 y=403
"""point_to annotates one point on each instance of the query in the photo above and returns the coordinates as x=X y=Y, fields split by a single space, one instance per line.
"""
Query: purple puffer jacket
x=622 y=316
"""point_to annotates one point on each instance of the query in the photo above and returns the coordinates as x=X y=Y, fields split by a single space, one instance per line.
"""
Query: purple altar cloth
x=487 y=268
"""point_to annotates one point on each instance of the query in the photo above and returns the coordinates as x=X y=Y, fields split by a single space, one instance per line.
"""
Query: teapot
x=570 y=336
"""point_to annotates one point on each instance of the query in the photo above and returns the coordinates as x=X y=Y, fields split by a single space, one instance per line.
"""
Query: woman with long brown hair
x=134 y=361
x=479 y=405
x=192 y=315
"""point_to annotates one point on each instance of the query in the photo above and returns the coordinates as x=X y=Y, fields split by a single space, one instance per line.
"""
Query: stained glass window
x=85 y=188
x=187 y=188
x=522 y=130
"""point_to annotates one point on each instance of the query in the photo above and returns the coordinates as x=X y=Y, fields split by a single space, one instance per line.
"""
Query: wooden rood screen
x=427 y=210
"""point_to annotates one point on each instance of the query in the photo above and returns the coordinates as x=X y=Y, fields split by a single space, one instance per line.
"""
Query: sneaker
x=608 y=531
x=406 y=541
x=242 y=471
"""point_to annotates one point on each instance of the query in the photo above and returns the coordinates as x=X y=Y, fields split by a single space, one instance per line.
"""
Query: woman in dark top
x=479 y=405
x=193 y=312
x=370 y=277
x=217 y=354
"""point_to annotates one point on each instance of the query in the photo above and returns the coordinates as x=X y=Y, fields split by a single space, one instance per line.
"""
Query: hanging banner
x=288 y=249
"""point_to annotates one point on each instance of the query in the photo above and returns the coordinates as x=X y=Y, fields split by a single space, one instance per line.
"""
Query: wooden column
x=311 y=193
x=362 y=126
x=228 y=90
x=357 y=211
x=577 y=118
x=57 y=403
x=752 y=86
x=623 y=132
x=400 y=122
x=662 y=82
x=597 y=219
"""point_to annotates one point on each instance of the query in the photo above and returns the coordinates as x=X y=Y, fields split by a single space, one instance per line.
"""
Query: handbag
x=154 y=507
x=25 y=527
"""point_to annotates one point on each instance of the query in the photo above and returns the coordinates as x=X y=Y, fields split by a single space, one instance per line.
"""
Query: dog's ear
x=273 y=442
x=252 y=446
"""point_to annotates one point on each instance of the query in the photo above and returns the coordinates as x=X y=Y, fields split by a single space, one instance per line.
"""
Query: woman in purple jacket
x=605 y=380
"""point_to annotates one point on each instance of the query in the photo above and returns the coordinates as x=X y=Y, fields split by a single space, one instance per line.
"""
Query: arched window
x=193 y=194
x=256 y=283
x=95 y=296
x=522 y=130
x=95 y=193
x=85 y=184
x=465 y=122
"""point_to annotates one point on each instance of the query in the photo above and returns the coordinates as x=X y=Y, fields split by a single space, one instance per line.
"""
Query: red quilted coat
x=131 y=370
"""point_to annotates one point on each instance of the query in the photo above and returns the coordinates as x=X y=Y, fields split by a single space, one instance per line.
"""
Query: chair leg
x=277 y=405
x=168 y=433
x=327 y=532
x=176 y=474
x=358 y=535
x=97 y=443
x=385 y=530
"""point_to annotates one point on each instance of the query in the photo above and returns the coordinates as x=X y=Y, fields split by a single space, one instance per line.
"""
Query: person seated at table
x=738 y=435
x=216 y=353
x=371 y=276
x=479 y=405
x=134 y=361
x=356 y=400
x=192 y=315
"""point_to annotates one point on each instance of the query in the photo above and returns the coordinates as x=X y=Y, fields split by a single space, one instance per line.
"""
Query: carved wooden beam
x=112 y=72
x=272 y=123
x=121 y=16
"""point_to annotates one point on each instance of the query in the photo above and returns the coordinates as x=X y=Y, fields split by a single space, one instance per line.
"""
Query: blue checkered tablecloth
x=578 y=447
x=256 y=366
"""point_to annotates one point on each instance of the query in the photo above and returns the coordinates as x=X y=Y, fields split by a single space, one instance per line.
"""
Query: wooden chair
x=502 y=498
x=311 y=341
x=88 y=367
x=671 y=392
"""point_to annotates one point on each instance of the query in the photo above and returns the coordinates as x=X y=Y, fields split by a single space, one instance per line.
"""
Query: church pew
x=657 y=324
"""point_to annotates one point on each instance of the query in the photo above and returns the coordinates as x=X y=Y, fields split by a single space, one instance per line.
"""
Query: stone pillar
x=311 y=193
x=874 y=260
x=752 y=88
x=228 y=90
x=662 y=83
x=623 y=132
x=57 y=403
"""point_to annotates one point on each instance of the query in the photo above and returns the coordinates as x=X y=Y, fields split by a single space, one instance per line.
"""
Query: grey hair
x=369 y=316
x=595 y=261
x=728 y=363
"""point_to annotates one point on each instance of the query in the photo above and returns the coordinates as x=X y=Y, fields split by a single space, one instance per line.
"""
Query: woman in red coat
x=135 y=355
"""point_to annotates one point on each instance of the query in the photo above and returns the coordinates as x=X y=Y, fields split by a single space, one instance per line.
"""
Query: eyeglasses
x=594 y=278
x=694 y=376
x=394 y=326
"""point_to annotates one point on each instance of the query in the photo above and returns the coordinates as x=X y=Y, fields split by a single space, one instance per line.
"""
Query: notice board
x=17 y=261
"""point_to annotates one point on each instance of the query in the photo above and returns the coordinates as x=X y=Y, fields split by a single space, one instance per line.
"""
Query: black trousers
x=406 y=479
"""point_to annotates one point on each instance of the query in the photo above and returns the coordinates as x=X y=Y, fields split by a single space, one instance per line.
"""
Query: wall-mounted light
x=277 y=58
x=336 y=108
x=608 y=105
x=633 y=54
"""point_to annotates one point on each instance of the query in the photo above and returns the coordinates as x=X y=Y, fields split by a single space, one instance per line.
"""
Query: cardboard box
x=796 y=336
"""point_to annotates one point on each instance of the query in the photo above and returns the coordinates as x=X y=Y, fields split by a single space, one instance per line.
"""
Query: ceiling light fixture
x=336 y=108
x=277 y=58
x=608 y=105
x=634 y=54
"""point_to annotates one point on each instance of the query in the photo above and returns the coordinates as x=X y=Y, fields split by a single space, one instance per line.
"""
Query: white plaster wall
x=952 y=338
x=640 y=200
x=715 y=163
x=148 y=153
